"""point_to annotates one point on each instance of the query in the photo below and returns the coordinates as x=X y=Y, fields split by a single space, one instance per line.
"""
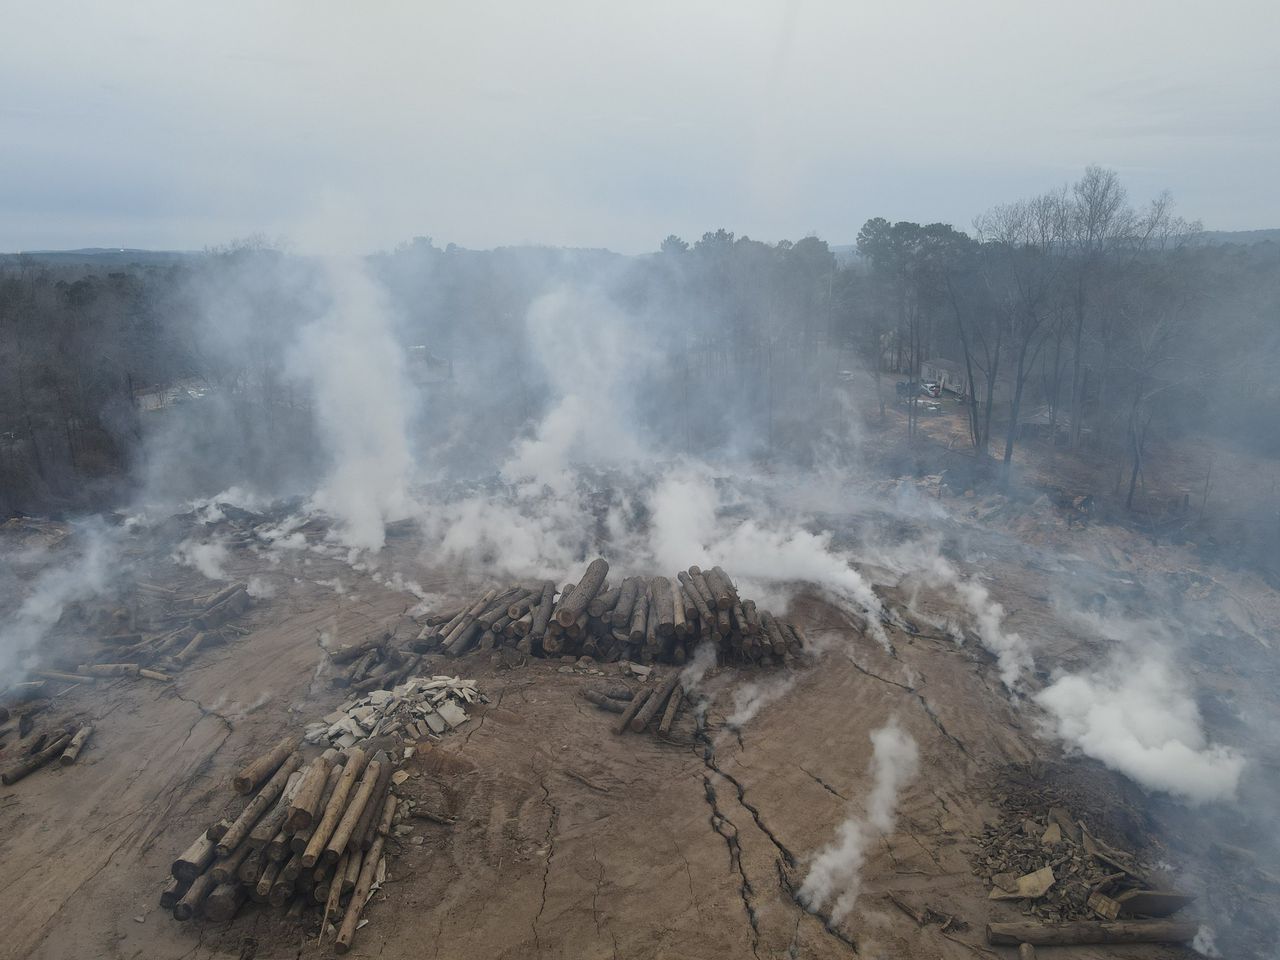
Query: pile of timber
x=372 y=664
x=647 y=619
x=419 y=708
x=654 y=707
x=310 y=838
x=33 y=748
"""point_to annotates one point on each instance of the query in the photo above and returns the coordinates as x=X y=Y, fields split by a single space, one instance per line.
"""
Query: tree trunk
x=1090 y=931
x=576 y=601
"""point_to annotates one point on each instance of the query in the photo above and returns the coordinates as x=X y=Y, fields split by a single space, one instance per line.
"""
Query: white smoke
x=354 y=366
x=835 y=875
x=752 y=697
x=209 y=557
x=1137 y=716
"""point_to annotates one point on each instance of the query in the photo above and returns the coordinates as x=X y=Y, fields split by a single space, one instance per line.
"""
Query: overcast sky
x=349 y=126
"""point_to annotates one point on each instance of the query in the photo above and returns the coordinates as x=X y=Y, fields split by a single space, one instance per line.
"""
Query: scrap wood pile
x=1070 y=884
x=311 y=837
x=653 y=707
x=646 y=619
x=417 y=709
x=153 y=637
x=24 y=747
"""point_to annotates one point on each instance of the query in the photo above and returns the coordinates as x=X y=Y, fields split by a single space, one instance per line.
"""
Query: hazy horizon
x=169 y=127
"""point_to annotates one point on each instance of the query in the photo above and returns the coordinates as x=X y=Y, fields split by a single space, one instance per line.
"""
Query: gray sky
x=347 y=126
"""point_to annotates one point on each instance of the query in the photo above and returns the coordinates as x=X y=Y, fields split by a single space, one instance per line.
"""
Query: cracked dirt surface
x=567 y=840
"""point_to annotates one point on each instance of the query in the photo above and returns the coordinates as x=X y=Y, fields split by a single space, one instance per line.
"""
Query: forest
x=1089 y=321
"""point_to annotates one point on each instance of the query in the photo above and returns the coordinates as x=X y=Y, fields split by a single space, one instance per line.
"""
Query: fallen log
x=673 y=707
x=265 y=830
x=305 y=806
x=384 y=822
x=59 y=675
x=542 y=612
x=698 y=595
x=195 y=859
x=258 y=806
x=639 y=616
x=153 y=675
x=1075 y=932
x=355 y=860
x=29 y=765
x=340 y=655
x=497 y=608
x=699 y=580
x=576 y=600
x=356 y=759
x=603 y=603
x=620 y=616
x=109 y=669
x=78 y=740
x=604 y=702
x=436 y=619
x=228 y=609
x=172 y=893
x=258 y=770
x=271 y=871
x=227 y=869
x=223 y=594
x=723 y=588
x=680 y=621
x=632 y=709
x=362 y=836
x=302 y=836
x=333 y=897
x=654 y=704
x=752 y=616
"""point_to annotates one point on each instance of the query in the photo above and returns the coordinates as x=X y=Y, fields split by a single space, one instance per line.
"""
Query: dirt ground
x=569 y=841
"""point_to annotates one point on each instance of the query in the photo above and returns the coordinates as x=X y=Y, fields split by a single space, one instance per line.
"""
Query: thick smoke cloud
x=834 y=878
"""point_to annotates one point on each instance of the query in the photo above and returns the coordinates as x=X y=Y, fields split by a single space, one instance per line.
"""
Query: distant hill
x=1242 y=237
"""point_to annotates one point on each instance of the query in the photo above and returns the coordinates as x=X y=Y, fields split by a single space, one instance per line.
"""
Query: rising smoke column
x=354 y=366
x=835 y=875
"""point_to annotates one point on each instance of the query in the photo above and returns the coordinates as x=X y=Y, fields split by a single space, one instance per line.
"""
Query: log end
x=566 y=618
x=242 y=785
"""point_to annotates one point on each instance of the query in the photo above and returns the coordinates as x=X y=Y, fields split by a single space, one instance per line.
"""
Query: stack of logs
x=64 y=742
x=371 y=664
x=312 y=836
x=646 y=619
x=638 y=711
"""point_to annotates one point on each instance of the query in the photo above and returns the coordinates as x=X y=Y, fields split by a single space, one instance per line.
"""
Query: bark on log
x=270 y=874
x=525 y=604
x=258 y=806
x=723 y=589
x=542 y=612
x=752 y=616
x=356 y=759
x=654 y=704
x=498 y=607
x=265 y=830
x=28 y=765
x=436 y=619
x=109 y=669
x=673 y=707
x=362 y=837
x=632 y=709
x=359 y=895
x=251 y=868
x=469 y=618
x=222 y=594
x=351 y=816
x=224 y=901
x=604 y=702
x=200 y=888
x=77 y=743
x=298 y=843
x=154 y=675
x=620 y=616
x=650 y=626
x=334 y=896
x=55 y=675
x=663 y=601
x=521 y=627
x=384 y=822
x=772 y=631
x=257 y=771
x=639 y=615
x=188 y=652
x=681 y=623
x=305 y=808
x=575 y=602
x=354 y=862
x=463 y=639
x=699 y=595
x=1090 y=931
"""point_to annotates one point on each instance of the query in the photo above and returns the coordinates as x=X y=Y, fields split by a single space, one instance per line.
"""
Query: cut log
x=258 y=770
x=368 y=870
x=632 y=709
x=604 y=602
x=521 y=627
x=228 y=609
x=654 y=704
x=29 y=765
x=1076 y=932
x=723 y=589
x=270 y=874
x=265 y=830
x=650 y=626
x=200 y=888
x=354 y=862
x=673 y=707
x=697 y=597
x=223 y=594
x=154 y=675
x=356 y=759
x=333 y=898
x=469 y=618
x=109 y=669
x=604 y=702
x=194 y=860
x=258 y=806
x=498 y=606
x=251 y=868
x=362 y=836
x=188 y=652
x=699 y=580
x=224 y=901
x=681 y=624
x=752 y=616
x=463 y=639
x=663 y=601
x=351 y=816
x=77 y=743
x=525 y=604
x=620 y=616
x=542 y=612
x=773 y=632
x=1026 y=952
x=436 y=619
x=58 y=675
x=305 y=808
x=302 y=836
x=172 y=893
x=227 y=869
x=122 y=639
x=575 y=602
x=384 y=822
x=639 y=616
